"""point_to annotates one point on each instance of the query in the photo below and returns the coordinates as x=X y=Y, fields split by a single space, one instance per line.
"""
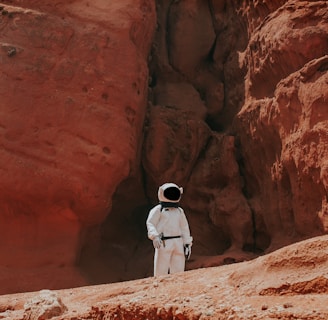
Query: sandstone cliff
x=101 y=102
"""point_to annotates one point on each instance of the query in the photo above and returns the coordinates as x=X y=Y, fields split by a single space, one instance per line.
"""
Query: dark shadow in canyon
x=207 y=64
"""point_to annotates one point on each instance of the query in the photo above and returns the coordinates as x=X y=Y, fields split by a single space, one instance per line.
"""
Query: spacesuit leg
x=178 y=259
x=162 y=261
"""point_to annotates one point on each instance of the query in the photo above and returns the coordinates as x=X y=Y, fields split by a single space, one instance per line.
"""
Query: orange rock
x=72 y=111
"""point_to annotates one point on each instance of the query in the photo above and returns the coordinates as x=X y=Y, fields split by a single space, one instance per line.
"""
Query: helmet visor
x=172 y=193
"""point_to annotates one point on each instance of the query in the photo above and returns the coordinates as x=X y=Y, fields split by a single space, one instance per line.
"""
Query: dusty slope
x=290 y=283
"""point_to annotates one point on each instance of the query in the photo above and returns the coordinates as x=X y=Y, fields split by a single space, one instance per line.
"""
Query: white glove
x=187 y=251
x=157 y=242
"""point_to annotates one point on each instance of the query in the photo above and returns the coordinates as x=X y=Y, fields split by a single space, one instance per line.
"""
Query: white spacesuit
x=168 y=228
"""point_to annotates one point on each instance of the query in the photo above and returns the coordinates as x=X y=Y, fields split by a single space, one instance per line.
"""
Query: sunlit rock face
x=283 y=123
x=73 y=87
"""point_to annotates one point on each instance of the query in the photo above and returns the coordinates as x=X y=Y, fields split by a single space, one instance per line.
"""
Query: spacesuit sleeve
x=185 y=231
x=152 y=222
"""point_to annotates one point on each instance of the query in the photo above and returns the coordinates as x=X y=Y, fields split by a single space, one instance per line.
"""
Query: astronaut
x=168 y=228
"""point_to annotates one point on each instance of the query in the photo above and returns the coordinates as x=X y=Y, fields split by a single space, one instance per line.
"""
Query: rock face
x=102 y=102
x=284 y=122
x=73 y=98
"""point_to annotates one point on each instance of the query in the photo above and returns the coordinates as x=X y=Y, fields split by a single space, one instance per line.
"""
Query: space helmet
x=169 y=192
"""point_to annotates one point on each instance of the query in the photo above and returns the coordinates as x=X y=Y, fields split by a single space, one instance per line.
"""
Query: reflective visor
x=172 y=193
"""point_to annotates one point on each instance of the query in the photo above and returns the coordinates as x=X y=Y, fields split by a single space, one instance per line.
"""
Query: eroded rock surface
x=284 y=122
x=46 y=305
x=290 y=283
x=73 y=88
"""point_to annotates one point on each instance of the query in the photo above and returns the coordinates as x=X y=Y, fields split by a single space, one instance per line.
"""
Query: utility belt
x=167 y=238
x=163 y=238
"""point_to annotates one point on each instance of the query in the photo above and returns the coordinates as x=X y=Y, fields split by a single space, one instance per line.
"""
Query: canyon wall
x=73 y=84
x=103 y=102
x=284 y=122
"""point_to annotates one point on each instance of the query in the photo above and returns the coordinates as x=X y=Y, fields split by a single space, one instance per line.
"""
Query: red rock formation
x=283 y=121
x=235 y=113
x=255 y=188
x=73 y=94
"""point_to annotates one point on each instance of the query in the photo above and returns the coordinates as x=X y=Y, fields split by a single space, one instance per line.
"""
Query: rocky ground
x=290 y=283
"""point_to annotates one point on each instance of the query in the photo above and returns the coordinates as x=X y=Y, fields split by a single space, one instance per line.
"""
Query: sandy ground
x=290 y=283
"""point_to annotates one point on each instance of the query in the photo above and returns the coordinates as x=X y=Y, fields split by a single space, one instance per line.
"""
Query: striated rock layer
x=284 y=122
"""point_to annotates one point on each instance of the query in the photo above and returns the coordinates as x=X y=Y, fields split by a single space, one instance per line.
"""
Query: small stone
x=11 y=52
x=45 y=306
